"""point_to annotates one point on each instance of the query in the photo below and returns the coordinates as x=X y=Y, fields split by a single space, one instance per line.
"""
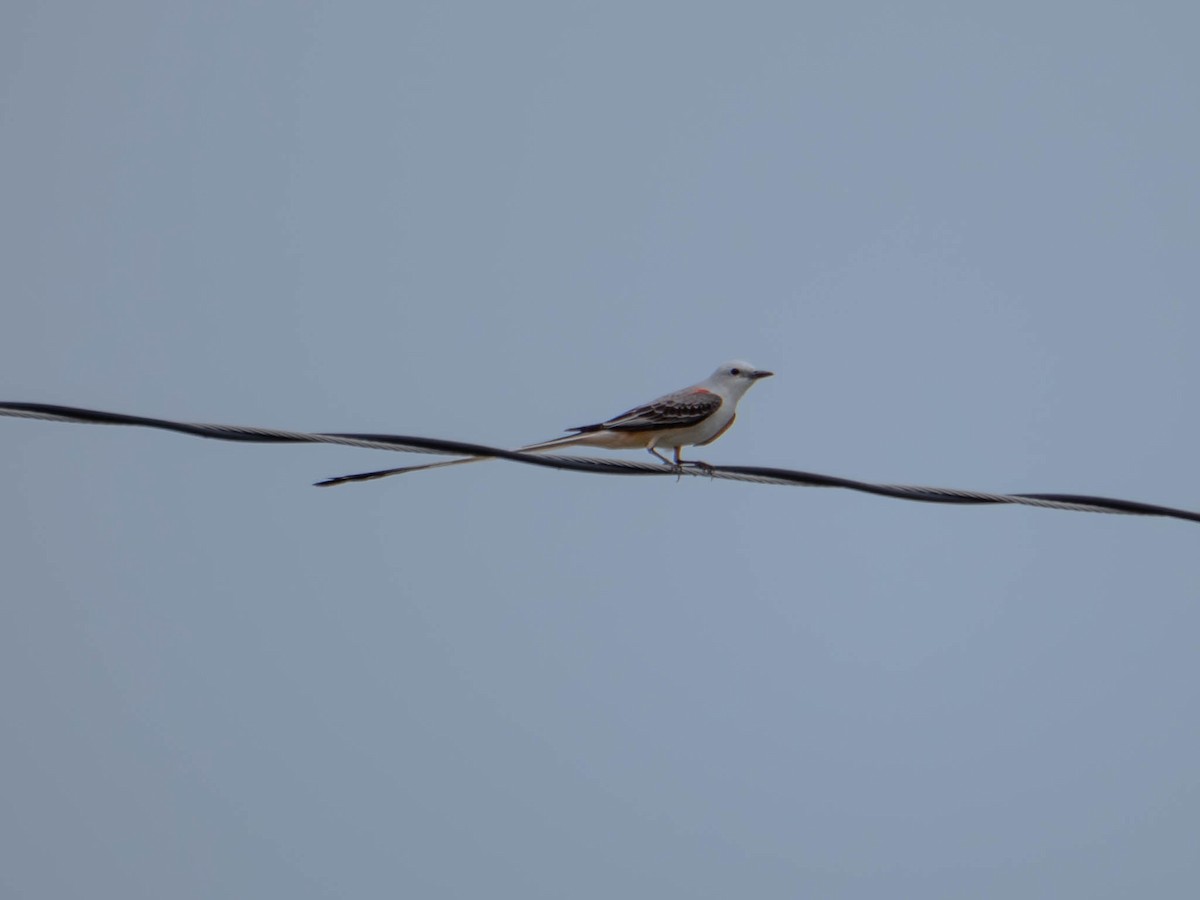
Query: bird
x=692 y=416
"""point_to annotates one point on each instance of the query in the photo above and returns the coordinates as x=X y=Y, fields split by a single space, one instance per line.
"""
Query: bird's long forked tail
x=401 y=470
x=404 y=470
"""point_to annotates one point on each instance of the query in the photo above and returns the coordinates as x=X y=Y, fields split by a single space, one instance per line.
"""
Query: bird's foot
x=691 y=465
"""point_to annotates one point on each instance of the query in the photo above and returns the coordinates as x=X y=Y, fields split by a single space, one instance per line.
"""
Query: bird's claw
x=684 y=465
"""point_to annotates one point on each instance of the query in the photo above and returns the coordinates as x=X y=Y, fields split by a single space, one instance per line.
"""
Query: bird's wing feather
x=679 y=410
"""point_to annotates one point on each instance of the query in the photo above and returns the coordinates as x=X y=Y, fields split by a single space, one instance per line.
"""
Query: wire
x=754 y=474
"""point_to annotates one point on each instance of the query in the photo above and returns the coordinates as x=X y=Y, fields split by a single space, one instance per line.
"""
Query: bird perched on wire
x=692 y=416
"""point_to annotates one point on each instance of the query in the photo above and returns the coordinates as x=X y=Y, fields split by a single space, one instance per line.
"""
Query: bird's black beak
x=760 y=373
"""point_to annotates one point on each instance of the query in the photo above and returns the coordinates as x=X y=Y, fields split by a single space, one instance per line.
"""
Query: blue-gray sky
x=964 y=236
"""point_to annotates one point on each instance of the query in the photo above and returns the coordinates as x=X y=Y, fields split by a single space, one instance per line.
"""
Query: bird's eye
x=735 y=371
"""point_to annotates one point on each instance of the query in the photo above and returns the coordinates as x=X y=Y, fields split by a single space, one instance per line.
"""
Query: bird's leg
x=663 y=458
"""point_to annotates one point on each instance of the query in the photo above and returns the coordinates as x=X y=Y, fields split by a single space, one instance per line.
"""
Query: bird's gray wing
x=679 y=410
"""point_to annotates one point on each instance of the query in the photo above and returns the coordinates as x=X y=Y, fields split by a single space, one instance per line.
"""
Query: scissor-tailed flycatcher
x=693 y=416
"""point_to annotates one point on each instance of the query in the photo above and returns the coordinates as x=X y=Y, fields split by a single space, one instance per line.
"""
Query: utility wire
x=755 y=474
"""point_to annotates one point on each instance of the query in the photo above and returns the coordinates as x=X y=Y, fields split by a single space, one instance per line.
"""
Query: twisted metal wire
x=754 y=474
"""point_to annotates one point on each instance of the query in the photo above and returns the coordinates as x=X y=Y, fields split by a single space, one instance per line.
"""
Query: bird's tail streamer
x=755 y=474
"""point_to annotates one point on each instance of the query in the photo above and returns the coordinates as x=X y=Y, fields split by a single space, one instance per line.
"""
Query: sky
x=962 y=235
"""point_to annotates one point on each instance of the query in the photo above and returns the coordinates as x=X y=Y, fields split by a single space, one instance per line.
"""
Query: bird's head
x=737 y=376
